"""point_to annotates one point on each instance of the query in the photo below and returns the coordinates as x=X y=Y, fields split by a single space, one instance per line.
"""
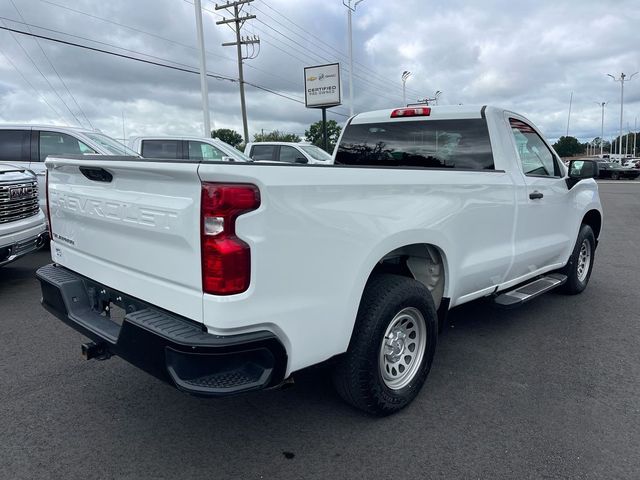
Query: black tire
x=615 y=176
x=576 y=282
x=358 y=377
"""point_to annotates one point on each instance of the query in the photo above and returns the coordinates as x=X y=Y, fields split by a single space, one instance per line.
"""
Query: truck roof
x=7 y=126
x=437 y=112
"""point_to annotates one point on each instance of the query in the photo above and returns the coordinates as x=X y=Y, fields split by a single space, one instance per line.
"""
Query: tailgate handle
x=96 y=174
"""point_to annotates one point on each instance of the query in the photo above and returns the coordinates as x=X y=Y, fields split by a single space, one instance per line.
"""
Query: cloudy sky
x=524 y=55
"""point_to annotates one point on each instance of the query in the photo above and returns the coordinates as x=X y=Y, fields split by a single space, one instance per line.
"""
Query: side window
x=263 y=152
x=161 y=149
x=54 y=143
x=289 y=154
x=15 y=145
x=204 y=151
x=535 y=156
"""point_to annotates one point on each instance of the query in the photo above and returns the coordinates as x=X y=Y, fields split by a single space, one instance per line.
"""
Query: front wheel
x=615 y=176
x=392 y=346
x=580 y=264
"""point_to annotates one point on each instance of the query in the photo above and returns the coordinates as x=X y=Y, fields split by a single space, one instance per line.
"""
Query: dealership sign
x=322 y=86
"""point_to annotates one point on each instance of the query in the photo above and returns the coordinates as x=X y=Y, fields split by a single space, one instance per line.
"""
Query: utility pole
x=350 y=8
x=623 y=78
x=204 y=85
x=569 y=117
x=240 y=41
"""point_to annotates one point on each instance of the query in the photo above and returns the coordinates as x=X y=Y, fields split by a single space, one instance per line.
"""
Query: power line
x=135 y=29
x=15 y=67
x=306 y=32
x=189 y=69
x=41 y=74
x=54 y=68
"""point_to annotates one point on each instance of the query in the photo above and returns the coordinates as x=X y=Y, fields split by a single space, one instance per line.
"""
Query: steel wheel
x=402 y=348
x=584 y=260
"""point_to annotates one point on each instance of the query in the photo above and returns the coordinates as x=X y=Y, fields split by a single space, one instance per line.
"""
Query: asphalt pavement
x=549 y=390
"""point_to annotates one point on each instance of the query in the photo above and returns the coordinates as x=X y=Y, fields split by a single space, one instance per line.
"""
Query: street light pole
x=405 y=75
x=350 y=8
x=623 y=78
x=204 y=87
x=635 y=132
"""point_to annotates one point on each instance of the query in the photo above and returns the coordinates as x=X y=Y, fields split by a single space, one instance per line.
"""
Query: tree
x=227 y=135
x=568 y=146
x=314 y=134
x=276 y=136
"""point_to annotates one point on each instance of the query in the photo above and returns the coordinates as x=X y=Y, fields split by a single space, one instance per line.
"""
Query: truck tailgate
x=133 y=225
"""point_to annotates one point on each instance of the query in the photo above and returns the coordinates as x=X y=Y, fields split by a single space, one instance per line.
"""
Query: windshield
x=112 y=146
x=316 y=153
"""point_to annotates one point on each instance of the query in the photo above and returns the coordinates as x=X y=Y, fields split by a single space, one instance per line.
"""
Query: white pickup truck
x=222 y=278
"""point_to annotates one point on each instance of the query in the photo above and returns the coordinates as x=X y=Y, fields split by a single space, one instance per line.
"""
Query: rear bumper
x=169 y=347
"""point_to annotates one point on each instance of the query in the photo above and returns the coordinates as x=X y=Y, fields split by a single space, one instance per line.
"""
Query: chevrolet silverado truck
x=221 y=278
x=22 y=227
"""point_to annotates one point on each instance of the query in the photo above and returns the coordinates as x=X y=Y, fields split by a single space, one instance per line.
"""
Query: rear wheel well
x=422 y=262
x=594 y=220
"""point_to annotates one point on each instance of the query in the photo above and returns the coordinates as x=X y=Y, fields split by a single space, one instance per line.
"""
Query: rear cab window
x=456 y=144
x=170 y=149
x=263 y=152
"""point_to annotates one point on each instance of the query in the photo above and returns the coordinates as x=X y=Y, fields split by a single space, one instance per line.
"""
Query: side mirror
x=301 y=160
x=581 y=169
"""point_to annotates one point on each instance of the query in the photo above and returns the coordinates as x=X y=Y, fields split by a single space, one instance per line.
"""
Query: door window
x=54 y=143
x=263 y=152
x=535 y=156
x=289 y=154
x=15 y=145
x=204 y=151
x=161 y=149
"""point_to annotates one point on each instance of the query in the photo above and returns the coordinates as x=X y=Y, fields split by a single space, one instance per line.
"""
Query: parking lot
x=548 y=390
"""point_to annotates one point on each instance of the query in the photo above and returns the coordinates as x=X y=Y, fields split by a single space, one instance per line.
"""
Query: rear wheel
x=578 y=269
x=615 y=176
x=392 y=346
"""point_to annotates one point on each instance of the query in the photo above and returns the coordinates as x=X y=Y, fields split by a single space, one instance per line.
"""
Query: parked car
x=27 y=146
x=616 y=172
x=225 y=278
x=22 y=225
x=287 y=152
x=187 y=148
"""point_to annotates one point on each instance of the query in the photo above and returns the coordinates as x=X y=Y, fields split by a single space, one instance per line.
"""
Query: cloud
x=526 y=56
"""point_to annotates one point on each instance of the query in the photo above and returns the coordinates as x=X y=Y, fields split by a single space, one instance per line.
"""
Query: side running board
x=529 y=291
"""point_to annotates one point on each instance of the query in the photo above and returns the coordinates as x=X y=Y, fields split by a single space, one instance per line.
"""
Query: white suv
x=288 y=152
x=27 y=146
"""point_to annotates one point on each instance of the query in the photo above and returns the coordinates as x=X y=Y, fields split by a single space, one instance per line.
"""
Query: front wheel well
x=594 y=220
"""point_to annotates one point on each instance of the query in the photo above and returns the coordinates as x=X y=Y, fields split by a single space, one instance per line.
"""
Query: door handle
x=41 y=174
x=535 y=195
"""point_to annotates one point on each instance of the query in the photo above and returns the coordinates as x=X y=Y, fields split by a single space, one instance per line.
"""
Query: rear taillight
x=226 y=260
x=411 y=112
x=48 y=204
